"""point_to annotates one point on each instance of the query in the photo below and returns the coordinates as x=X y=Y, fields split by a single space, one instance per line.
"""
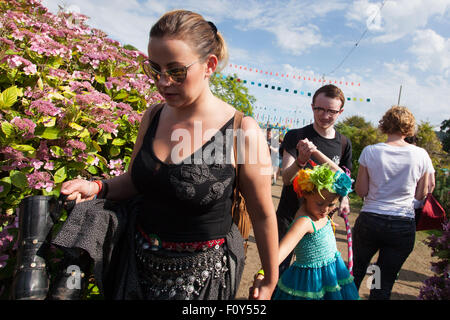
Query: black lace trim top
x=191 y=200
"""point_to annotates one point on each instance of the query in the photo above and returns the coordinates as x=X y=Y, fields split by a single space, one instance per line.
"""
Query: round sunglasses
x=176 y=75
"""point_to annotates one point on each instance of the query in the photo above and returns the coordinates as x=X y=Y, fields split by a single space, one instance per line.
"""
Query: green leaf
x=92 y=170
x=114 y=151
x=40 y=84
x=18 y=179
x=58 y=151
x=77 y=165
x=8 y=129
x=8 y=97
x=6 y=184
x=10 y=51
x=102 y=159
x=100 y=79
x=51 y=133
x=47 y=121
x=54 y=192
x=121 y=95
x=69 y=94
x=96 y=146
x=85 y=133
x=119 y=142
x=60 y=175
x=102 y=139
x=76 y=126
x=133 y=99
x=56 y=95
x=23 y=147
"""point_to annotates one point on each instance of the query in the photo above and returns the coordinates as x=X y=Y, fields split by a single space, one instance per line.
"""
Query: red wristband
x=300 y=165
x=100 y=185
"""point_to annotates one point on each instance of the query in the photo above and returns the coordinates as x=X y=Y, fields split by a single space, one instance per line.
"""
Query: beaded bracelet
x=100 y=185
x=104 y=190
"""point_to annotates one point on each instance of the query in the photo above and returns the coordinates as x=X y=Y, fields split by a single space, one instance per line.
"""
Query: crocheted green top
x=316 y=249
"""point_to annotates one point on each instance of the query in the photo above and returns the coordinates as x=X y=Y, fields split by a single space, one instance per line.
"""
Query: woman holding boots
x=180 y=235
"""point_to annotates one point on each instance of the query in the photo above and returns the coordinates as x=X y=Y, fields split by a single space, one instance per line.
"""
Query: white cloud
x=297 y=40
x=397 y=18
x=123 y=21
x=432 y=52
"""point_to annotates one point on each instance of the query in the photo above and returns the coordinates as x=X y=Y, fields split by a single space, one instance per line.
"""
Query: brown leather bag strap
x=236 y=125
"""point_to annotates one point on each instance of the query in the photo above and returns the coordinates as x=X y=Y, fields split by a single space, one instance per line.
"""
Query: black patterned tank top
x=189 y=201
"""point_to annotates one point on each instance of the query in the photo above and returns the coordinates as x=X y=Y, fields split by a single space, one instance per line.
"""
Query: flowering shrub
x=70 y=105
x=437 y=287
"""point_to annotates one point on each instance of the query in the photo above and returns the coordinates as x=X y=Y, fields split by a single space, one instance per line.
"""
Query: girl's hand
x=305 y=149
x=260 y=289
x=344 y=207
x=79 y=190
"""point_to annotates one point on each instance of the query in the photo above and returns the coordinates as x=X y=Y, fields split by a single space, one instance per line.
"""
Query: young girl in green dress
x=318 y=271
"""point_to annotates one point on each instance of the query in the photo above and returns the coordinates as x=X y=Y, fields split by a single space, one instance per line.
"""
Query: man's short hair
x=331 y=91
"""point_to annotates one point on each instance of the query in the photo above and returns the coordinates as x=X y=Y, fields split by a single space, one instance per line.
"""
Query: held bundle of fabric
x=432 y=215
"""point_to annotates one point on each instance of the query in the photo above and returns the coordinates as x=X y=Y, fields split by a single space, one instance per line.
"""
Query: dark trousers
x=393 y=237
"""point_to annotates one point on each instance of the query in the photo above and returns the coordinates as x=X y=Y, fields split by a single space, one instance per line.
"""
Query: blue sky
x=406 y=43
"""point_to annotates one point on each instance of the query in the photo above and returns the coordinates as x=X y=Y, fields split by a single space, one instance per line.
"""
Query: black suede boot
x=37 y=216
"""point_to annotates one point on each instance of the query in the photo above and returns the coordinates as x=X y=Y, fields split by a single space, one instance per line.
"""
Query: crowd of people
x=175 y=236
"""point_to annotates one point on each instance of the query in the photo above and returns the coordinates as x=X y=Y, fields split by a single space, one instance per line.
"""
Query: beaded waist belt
x=154 y=243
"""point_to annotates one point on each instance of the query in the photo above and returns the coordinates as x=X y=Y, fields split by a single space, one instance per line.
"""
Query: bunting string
x=286 y=90
x=295 y=76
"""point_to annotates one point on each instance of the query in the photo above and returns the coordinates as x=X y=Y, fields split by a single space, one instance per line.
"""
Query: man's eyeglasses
x=328 y=111
x=177 y=75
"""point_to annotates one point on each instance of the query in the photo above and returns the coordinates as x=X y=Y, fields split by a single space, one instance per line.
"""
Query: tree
x=361 y=134
x=233 y=92
x=445 y=129
x=427 y=139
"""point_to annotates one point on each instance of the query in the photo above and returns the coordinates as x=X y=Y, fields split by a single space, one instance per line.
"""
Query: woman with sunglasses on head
x=186 y=244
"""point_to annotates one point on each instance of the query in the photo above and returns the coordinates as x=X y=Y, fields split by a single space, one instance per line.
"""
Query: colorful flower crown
x=322 y=177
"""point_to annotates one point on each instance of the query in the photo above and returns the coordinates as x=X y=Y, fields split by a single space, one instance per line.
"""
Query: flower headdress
x=322 y=177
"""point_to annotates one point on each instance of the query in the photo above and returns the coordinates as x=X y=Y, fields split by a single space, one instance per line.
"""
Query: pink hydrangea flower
x=76 y=144
x=36 y=164
x=25 y=125
x=116 y=167
x=49 y=165
x=109 y=127
x=40 y=180
x=29 y=70
x=45 y=107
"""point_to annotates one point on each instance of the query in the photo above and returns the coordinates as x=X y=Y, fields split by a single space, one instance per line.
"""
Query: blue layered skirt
x=329 y=281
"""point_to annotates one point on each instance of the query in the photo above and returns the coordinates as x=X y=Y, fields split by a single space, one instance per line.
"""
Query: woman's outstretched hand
x=79 y=190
